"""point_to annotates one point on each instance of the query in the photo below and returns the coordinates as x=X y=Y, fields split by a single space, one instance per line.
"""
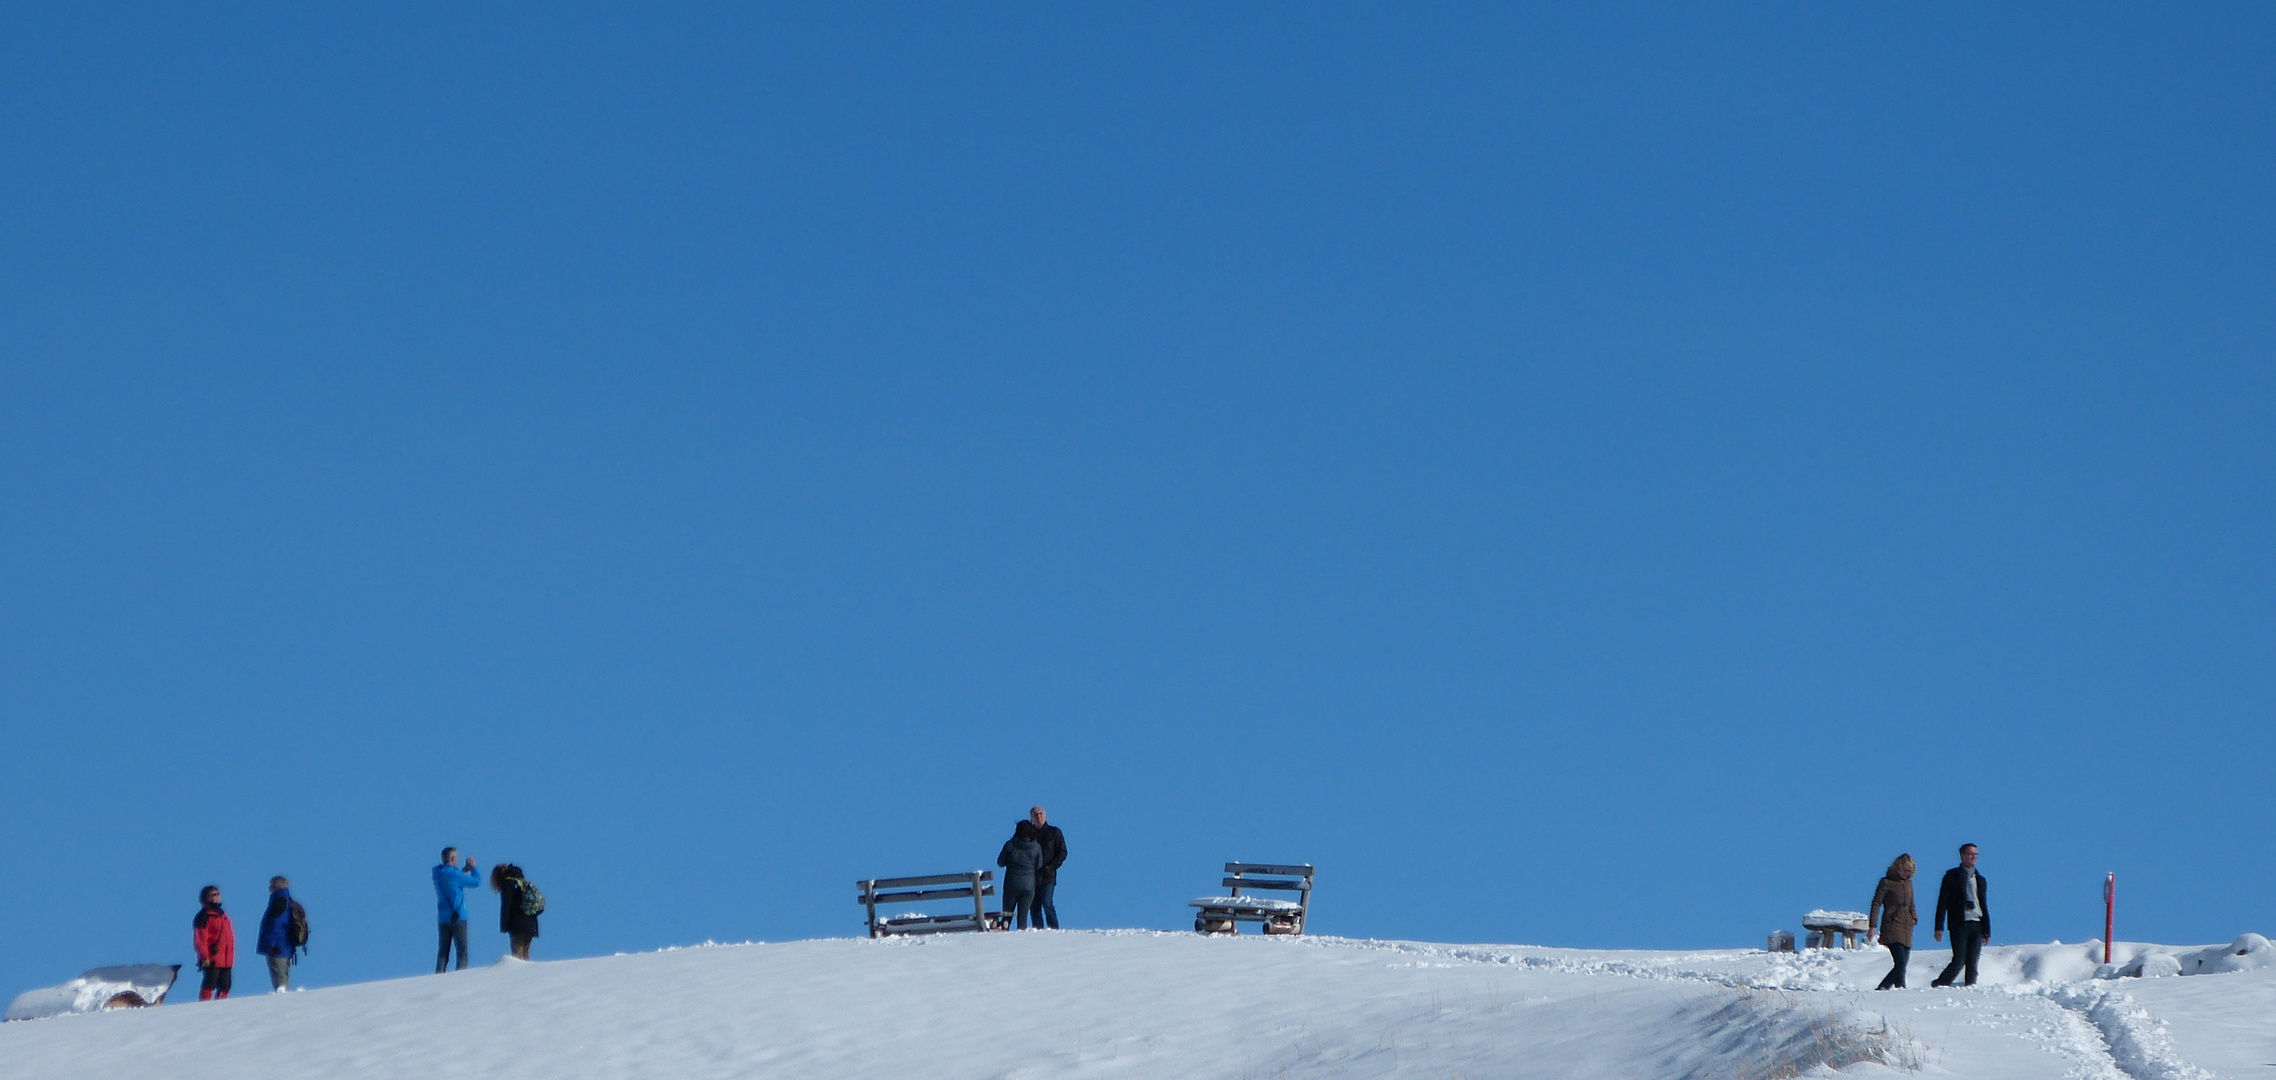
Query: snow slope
x=1145 y=1004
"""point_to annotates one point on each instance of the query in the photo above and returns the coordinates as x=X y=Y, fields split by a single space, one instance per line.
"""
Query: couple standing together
x=1961 y=901
x=1031 y=861
x=519 y=904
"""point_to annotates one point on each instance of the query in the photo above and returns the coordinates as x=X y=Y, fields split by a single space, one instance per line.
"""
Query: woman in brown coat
x=1892 y=912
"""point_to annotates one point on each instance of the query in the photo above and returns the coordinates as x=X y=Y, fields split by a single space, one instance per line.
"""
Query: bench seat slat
x=944 y=924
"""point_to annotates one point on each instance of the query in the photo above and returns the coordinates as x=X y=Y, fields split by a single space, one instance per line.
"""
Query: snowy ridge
x=1105 y=1004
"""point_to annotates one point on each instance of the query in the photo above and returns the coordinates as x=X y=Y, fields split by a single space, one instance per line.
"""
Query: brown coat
x=1892 y=911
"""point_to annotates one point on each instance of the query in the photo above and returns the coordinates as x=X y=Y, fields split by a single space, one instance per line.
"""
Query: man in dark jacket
x=275 y=941
x=1047 y=878
x=1963 y=898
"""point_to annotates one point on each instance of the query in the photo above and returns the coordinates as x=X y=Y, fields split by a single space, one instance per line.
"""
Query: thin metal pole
x=2109 y=913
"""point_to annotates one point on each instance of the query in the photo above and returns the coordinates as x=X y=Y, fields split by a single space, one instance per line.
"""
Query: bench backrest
x=1284 y=877
x=880 y=892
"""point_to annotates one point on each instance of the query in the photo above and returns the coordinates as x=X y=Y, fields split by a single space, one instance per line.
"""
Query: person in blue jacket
x=276 y=933
x=451 y=883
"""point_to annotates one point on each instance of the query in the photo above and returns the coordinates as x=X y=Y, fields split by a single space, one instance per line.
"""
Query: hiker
x=280 y=925
x=1021 y=858
x=1963 y=898
x=1054 y=845
x=215 y=943
x=515 y=919
x=1893 y=913
x=451 y=882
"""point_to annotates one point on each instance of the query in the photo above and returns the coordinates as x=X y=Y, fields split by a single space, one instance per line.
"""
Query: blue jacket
x=276 y=925
x=450 y=892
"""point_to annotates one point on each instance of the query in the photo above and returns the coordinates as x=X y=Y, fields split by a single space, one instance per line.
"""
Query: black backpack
x=296 y=930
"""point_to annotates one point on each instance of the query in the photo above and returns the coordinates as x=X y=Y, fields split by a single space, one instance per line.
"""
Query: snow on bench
x=1224 y=914
x=1254 y=903
x=1824 y=925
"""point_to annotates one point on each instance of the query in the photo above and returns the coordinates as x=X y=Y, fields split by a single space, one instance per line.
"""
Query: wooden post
x=869 y=897
x=979 y=904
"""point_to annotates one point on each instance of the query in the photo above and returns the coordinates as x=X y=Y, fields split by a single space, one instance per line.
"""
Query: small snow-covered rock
x=2153 y=965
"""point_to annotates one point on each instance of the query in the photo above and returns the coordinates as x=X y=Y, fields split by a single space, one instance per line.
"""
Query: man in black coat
x=1047 y=879
x=1964 y=898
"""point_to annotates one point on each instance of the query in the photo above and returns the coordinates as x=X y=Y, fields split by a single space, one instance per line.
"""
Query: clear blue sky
x=1605 y=480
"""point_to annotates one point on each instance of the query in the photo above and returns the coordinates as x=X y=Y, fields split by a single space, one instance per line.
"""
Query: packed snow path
x=1144 y=1004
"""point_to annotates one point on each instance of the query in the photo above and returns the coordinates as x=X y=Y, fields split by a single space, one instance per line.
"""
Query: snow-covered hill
x=1144 y=1004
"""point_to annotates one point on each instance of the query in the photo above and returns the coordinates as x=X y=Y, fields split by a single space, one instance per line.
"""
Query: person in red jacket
x=216 y=944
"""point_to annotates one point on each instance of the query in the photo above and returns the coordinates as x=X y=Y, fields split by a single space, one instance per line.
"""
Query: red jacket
x=214 y=939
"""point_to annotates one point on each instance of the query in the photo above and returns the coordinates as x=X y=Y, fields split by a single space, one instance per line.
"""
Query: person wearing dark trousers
x=1021 y=857
x=1892 y=912
x=275 y=940
x=514 y=920
x=1963 y=899
x=1054 y=845
x=215 y=942
x=452 y=878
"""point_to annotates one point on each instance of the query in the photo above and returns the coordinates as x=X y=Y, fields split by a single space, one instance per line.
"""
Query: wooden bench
x=1225 y=914
x=916 y=890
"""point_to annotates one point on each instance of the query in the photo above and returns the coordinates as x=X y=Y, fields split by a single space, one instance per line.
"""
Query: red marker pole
x=2109 y=913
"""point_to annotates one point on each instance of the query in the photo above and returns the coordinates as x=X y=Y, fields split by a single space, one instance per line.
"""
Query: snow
x=1253 y=903
x=1820 y=919
x=1107 y=1004
x=93 y=990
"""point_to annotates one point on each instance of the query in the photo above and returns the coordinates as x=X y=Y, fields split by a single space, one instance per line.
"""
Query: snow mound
x=2249 y=952
x=94 y=991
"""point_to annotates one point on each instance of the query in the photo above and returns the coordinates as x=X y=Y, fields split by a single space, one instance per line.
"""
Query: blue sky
x=1601 y=479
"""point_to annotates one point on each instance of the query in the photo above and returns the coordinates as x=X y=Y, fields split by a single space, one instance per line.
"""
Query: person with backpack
x=1022 y=859
x=284 y=929
x=519 y=905
x=450 y=906
x=215 y=943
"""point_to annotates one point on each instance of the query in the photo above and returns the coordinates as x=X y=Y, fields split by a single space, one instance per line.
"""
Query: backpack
x=533 y=901
x=296 y=930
